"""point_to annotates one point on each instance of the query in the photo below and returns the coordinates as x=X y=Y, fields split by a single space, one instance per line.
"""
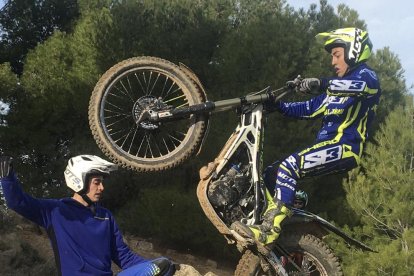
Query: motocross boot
x=269 y=230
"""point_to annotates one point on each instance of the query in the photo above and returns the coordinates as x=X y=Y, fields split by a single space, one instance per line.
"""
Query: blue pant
x=157 y=267
x=322 y=158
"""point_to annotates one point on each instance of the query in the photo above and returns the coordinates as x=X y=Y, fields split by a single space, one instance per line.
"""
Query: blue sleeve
x=310 y=109
x=362 y=82
x=121 y=254
x=36 y=210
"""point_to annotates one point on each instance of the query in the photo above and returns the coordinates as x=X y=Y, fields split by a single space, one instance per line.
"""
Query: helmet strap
x=91 y=205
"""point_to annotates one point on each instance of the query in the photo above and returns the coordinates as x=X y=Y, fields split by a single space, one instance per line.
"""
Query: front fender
x=319 y=227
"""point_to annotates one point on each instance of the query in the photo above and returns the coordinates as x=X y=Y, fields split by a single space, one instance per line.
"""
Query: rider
x=346 y=106
x=84 y=235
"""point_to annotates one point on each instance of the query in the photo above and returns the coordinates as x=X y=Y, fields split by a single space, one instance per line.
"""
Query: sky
x=390 y=24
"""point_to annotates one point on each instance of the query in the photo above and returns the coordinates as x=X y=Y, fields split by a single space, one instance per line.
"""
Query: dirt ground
x=27 y=251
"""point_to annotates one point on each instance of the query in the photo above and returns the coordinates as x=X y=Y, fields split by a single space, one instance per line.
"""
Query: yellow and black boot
x=269 y=230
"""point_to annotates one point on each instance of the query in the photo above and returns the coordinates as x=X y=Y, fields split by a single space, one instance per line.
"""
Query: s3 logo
x=322 y=157
x=347 y=85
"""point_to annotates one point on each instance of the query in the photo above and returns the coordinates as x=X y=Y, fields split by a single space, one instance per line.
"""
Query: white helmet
x=81 y=166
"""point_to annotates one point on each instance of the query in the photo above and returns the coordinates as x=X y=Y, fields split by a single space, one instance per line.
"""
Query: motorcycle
x=148 y=114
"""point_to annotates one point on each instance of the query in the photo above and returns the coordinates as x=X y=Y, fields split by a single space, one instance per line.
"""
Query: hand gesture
x=5 y=166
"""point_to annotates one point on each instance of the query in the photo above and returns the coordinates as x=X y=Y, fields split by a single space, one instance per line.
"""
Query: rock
x=211 y=263
x=186 y=270
x=210 y=274
x=144 y=245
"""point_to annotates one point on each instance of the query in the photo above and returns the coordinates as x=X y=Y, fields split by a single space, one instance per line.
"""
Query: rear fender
x=197 y=81
x=308 y=222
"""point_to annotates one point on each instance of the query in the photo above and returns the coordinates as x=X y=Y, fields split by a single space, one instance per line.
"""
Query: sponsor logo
x=285 y=185
x=347 y=85
x=356 y=47
x=322 y=157
x=73 y=177
x=335 y=111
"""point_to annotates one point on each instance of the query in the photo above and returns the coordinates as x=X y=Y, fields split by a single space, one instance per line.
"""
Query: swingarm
x=159 y=111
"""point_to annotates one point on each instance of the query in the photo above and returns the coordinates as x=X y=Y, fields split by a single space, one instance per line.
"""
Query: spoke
x=145 y=84
x=116 y=113
x=129 y=132
x=156 y=144
x=132 y=141
x=179 y=132
x=168 y=92
x=184 y=104
x=149 y=83
x=117 y=121
x=118 y=96
x=178 y=89
x=166 y=146
x=140 y=84
x=111 y=104
x=126 y=90
x=174 y=139
x=176 y=98
x=120 y=90
x=140 y=145
x=130 y=86
x=148 y=146
x=163 y=88
x=155 y=82
x=116 y=132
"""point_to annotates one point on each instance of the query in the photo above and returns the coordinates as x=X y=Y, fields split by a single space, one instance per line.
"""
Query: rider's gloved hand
x=294 y=83
x=271 y=104
x=6 y=166
x=308 y=85
x=165 y=266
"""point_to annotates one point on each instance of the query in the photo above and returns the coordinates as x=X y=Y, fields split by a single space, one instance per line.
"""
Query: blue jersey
x=347 y=106
x=84 y=243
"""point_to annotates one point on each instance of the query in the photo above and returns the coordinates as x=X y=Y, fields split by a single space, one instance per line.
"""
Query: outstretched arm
x=31 y=208
x=310 y=109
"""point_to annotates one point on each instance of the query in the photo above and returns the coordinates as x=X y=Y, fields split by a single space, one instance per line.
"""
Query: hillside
x=25 y=250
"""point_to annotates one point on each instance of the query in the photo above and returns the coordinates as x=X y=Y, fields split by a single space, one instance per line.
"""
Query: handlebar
x=259 y=97
x=223 y=105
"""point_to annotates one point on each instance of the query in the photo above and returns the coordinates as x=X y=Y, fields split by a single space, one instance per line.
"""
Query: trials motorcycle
x=148 y=114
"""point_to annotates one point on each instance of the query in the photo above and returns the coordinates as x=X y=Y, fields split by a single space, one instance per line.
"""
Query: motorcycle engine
x=229 y=193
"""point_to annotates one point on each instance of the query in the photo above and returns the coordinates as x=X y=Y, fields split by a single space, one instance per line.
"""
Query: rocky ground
x=26 y=251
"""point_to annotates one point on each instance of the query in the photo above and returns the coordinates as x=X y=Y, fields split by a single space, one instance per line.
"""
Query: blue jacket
x=347 y=106
x=83 y=243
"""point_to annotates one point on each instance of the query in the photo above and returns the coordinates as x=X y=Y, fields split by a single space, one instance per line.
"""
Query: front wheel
x=124 y=93
x=308 y=252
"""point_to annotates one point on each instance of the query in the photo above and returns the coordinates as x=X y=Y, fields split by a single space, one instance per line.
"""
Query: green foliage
x=381 y=192
x=384 y=181
x=234 y=47
x=390 y=73
x=24 y=24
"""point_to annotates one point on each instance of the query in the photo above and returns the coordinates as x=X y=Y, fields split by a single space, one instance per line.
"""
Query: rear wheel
x=123 y=93
x=308 y=252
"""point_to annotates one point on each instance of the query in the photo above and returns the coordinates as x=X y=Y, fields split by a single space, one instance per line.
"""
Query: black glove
x=6 y=166
x=307 y=85
x=165 y=265
x=271 y=105
x=294 y=83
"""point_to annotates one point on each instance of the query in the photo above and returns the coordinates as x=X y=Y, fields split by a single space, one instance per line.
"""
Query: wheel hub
x=144 y=104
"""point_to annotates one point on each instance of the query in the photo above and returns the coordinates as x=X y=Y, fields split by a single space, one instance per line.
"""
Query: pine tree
x=382 y=193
